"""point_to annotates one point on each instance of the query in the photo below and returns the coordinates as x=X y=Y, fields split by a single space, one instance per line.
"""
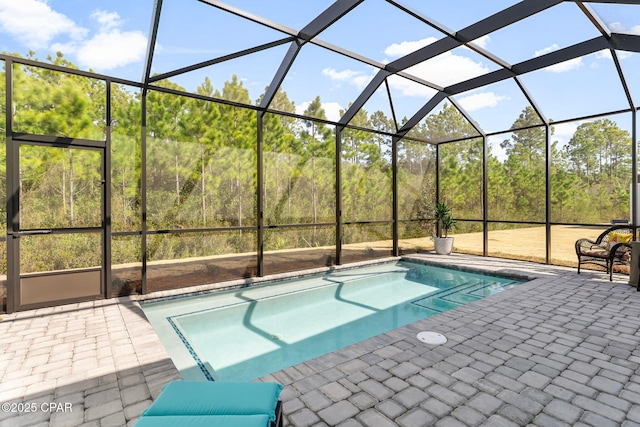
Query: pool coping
x=514 y=275
x=199 y=290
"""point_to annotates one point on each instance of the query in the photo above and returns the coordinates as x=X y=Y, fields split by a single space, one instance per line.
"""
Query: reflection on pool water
x=246 y=333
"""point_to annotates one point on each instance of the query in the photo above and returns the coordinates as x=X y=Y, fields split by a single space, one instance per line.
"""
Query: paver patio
x=560 y=350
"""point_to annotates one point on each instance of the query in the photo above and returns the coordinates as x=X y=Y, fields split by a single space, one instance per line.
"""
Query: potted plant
x=444 y=223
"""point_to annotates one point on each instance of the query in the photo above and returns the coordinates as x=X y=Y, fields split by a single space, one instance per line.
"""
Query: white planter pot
x=444 y=245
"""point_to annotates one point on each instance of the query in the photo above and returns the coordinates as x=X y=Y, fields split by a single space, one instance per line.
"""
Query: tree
x=564 y=186
x=126 y=158
x=599 y=155
x=316 y=138
x=279 y=149
x=525 y=167
x=460 y=162
x=448 y=124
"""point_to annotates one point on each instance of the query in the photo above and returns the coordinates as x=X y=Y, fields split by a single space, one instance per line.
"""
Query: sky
x=111 y=37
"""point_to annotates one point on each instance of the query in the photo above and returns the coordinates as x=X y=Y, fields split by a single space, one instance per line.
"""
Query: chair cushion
x=597 y=254
x=261 y=420
x=216 y=398
x=616 y=238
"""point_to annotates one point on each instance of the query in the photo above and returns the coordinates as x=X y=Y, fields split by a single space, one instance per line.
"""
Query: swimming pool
x=246 y=333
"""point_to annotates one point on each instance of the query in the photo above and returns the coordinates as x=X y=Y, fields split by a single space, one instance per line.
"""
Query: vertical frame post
x=143 y=190
x=106 y=193
x=634 y=170
x=547 y=219
x=13 y=193
x=260 y=195
x=338 y=196
x=438 y=173
x=394 y=190
x=485 y=196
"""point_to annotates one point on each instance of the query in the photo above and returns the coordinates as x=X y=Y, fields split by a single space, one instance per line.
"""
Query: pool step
x=456 y=296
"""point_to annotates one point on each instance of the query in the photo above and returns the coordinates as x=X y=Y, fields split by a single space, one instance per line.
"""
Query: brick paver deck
x=560 y=350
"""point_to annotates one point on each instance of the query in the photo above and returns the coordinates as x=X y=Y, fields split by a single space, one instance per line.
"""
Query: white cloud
x=561 y=67
x=358 y=79
x=107 y=20
x=481 y=100
x=113 y=49
x=622 y=54
x=448 y=68
x=340 y=75
x=35 y=24
x=546 y=50
x=406 y=47
x=482 y=41
x=606 y=54
x=110 y=47
x=564 y=132
x=331 y=109
x=495 y=148
x=565 y=66
x=410 y=88
x=444 y=69
x=617 y=27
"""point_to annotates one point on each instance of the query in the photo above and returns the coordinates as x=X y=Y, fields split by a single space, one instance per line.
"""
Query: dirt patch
x=527 y=244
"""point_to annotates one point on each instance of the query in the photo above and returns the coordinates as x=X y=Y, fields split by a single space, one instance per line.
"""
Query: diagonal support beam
x=504 y=18
x=562 y=55
x=330 y=15
x=250 y=16
x=623 y=80
x=466 y=115
x=426 y=109
x=278 y=78
x=532 y=101
x=219 y=60
x=423 y=54
x=488 y=25
x=595 y=20
x=151 y=46
x=363 y=97
x=628 y=42
x=552 y=58
x=480 y=81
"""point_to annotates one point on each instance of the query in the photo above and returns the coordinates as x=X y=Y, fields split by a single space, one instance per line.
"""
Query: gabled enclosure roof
x=404 y=60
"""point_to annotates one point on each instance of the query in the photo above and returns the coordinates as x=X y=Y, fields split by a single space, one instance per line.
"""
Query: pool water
x=246 y=333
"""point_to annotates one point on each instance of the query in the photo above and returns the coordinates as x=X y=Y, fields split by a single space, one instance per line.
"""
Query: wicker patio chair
x=605 y=252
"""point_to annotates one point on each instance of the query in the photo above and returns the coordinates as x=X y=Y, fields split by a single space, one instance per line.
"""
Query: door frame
x=13 y=222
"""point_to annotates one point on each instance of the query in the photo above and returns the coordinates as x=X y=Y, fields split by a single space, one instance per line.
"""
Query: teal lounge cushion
x=216 y=398
x=261 y=420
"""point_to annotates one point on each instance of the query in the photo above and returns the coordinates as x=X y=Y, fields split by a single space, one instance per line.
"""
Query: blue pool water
x=247 y=333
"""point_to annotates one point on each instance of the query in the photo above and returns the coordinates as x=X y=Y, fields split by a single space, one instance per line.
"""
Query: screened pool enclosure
x=251 y=138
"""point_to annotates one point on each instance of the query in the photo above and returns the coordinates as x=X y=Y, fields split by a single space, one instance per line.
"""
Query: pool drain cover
x=432 y=338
